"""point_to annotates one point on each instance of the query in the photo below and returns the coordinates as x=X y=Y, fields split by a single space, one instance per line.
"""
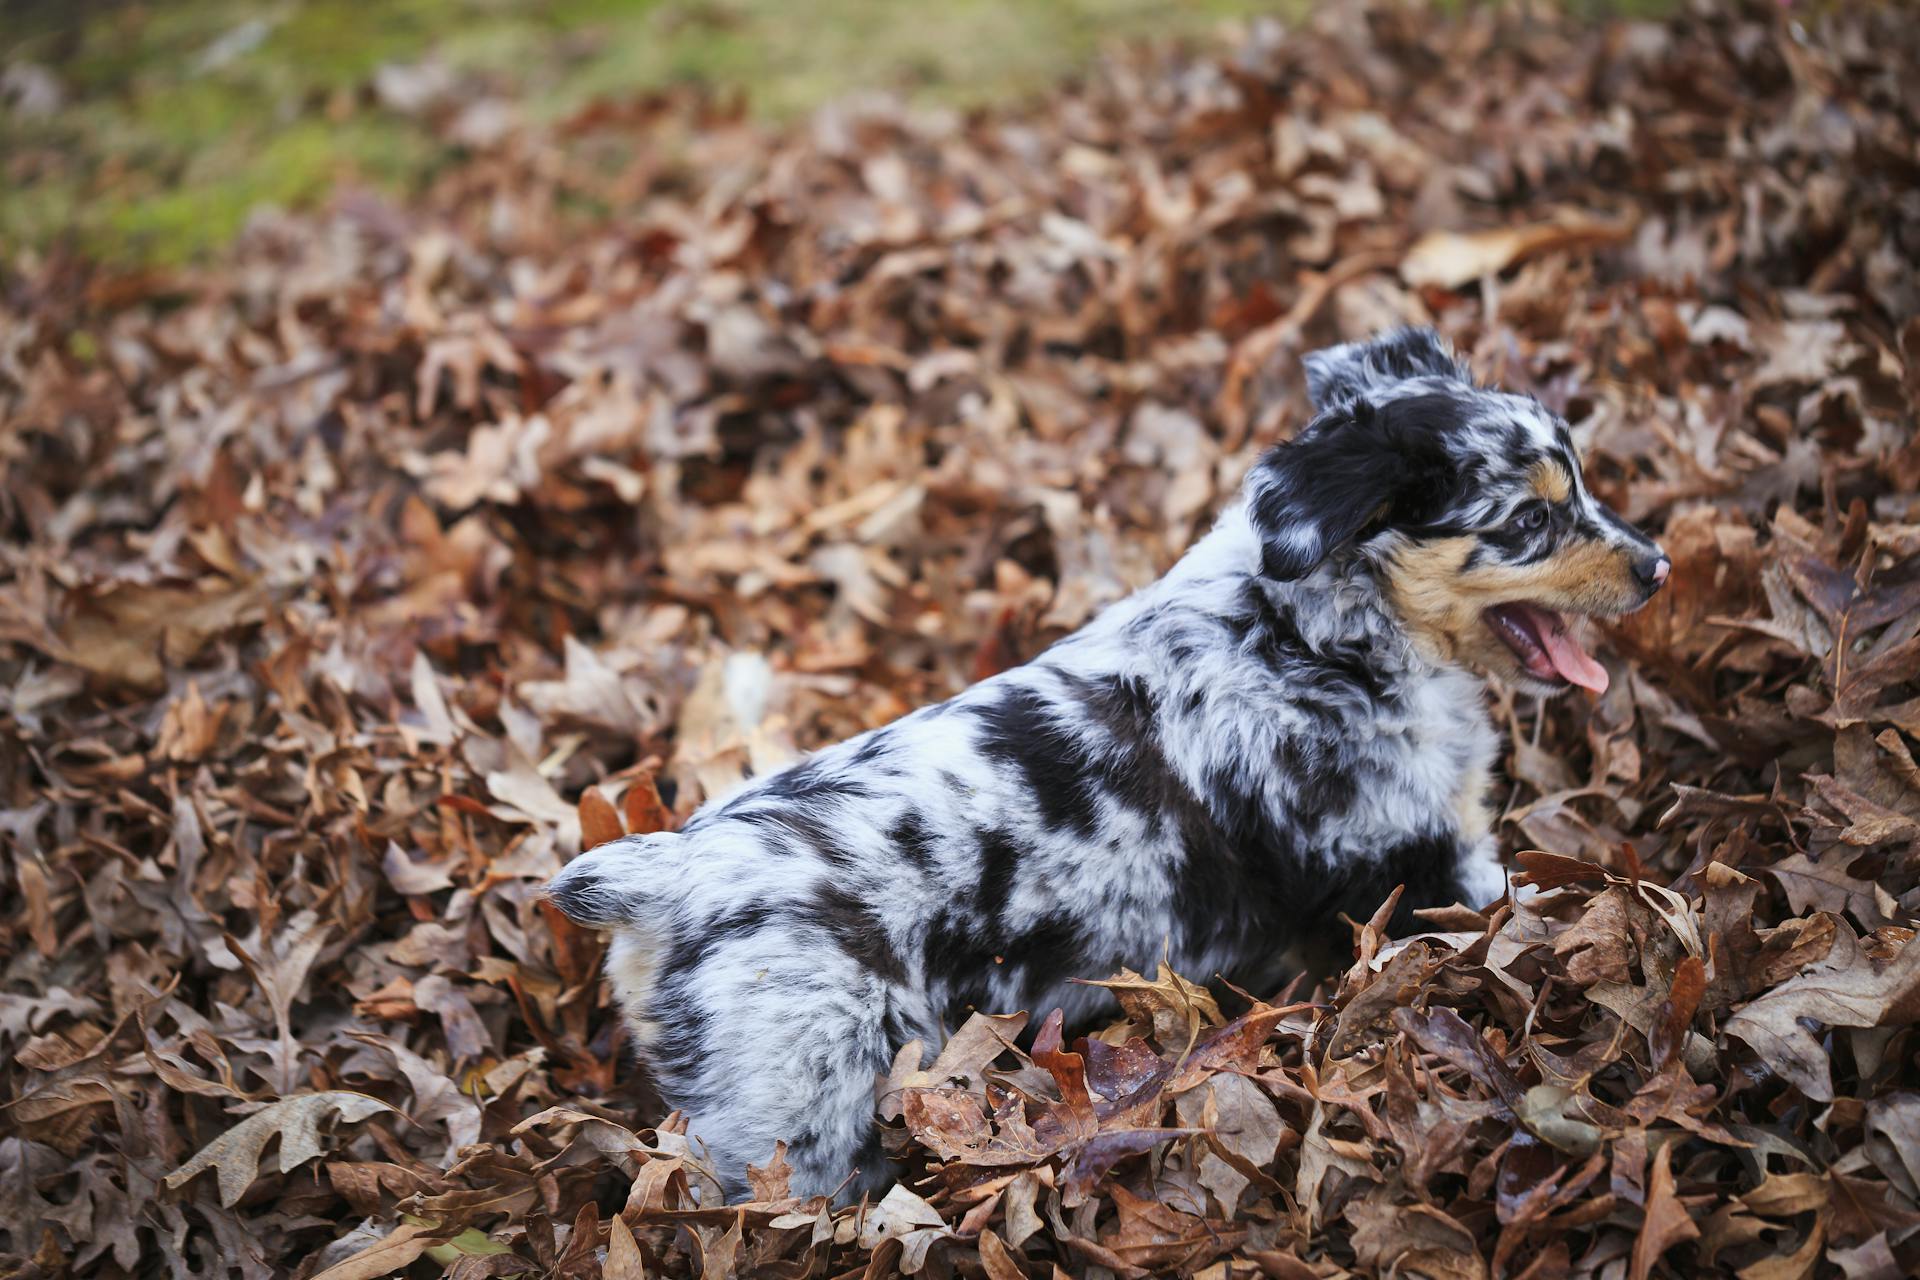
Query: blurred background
x=145 y=133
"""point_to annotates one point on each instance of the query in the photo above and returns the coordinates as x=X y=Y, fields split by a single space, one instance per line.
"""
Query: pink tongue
x=1568 y=658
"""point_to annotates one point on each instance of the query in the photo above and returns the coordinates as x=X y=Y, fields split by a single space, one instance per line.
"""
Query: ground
x=362 y=568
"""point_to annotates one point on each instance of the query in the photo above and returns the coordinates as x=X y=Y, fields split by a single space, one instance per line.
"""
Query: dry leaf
x=1841 y=991
x=1449 y=259
x=1667 y=1221
x=235 y=1154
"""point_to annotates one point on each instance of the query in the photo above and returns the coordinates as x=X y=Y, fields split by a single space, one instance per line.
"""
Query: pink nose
x=1652 y=573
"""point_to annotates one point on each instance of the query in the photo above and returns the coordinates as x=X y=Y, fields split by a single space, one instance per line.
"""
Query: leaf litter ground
x=356 y=581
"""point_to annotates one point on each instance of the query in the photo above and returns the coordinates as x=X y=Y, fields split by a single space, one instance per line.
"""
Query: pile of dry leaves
x=351 y=583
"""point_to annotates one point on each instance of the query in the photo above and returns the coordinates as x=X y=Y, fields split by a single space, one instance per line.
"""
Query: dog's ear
x=1339 y=374
x=1353 y=467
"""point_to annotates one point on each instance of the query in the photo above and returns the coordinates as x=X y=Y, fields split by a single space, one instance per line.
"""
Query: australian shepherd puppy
x=1285 y=727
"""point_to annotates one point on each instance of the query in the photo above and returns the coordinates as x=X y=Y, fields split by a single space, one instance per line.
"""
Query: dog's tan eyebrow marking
x=1550 y=480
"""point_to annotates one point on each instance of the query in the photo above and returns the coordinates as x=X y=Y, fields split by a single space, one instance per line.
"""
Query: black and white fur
x=1220 y=765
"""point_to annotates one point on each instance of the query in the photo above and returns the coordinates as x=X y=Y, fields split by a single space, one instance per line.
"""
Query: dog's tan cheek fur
x=1583 y=576
x=1442 y=600
x=1424 y=581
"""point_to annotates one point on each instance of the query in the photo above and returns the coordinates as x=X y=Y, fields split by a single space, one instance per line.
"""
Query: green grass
x=160 y=151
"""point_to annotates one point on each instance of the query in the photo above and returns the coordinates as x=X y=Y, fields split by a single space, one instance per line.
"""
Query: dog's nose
x=1653 y=571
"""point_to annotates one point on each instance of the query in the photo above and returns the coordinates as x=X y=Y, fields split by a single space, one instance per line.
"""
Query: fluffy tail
x=627 y=881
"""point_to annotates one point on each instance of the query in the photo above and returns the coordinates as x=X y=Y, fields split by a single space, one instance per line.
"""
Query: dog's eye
x=1531 y=518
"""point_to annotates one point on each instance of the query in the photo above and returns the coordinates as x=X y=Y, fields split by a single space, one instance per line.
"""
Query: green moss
x=287 y=168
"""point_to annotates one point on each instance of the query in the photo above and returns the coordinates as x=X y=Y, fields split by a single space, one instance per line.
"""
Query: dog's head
x=1469 y=502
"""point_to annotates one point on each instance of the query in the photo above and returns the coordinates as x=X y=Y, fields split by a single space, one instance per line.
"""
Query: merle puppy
x=1282 y=729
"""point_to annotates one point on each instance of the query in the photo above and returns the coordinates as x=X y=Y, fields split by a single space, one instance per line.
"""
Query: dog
x=1288 y=725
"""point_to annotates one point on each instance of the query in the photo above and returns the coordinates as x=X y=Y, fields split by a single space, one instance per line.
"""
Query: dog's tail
x=636 y=880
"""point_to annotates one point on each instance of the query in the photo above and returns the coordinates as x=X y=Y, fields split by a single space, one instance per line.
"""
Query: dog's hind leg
x=776 y=1038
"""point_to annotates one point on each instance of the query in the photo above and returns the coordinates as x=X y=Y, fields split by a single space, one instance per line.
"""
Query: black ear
x=1353 y=467
x=1339 y=374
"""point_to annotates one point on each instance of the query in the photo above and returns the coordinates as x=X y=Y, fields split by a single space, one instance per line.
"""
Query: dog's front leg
x=1429 y=871
x=1481 y=878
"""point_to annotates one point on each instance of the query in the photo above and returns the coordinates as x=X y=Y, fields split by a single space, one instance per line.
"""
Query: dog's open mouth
x=1546 y=648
